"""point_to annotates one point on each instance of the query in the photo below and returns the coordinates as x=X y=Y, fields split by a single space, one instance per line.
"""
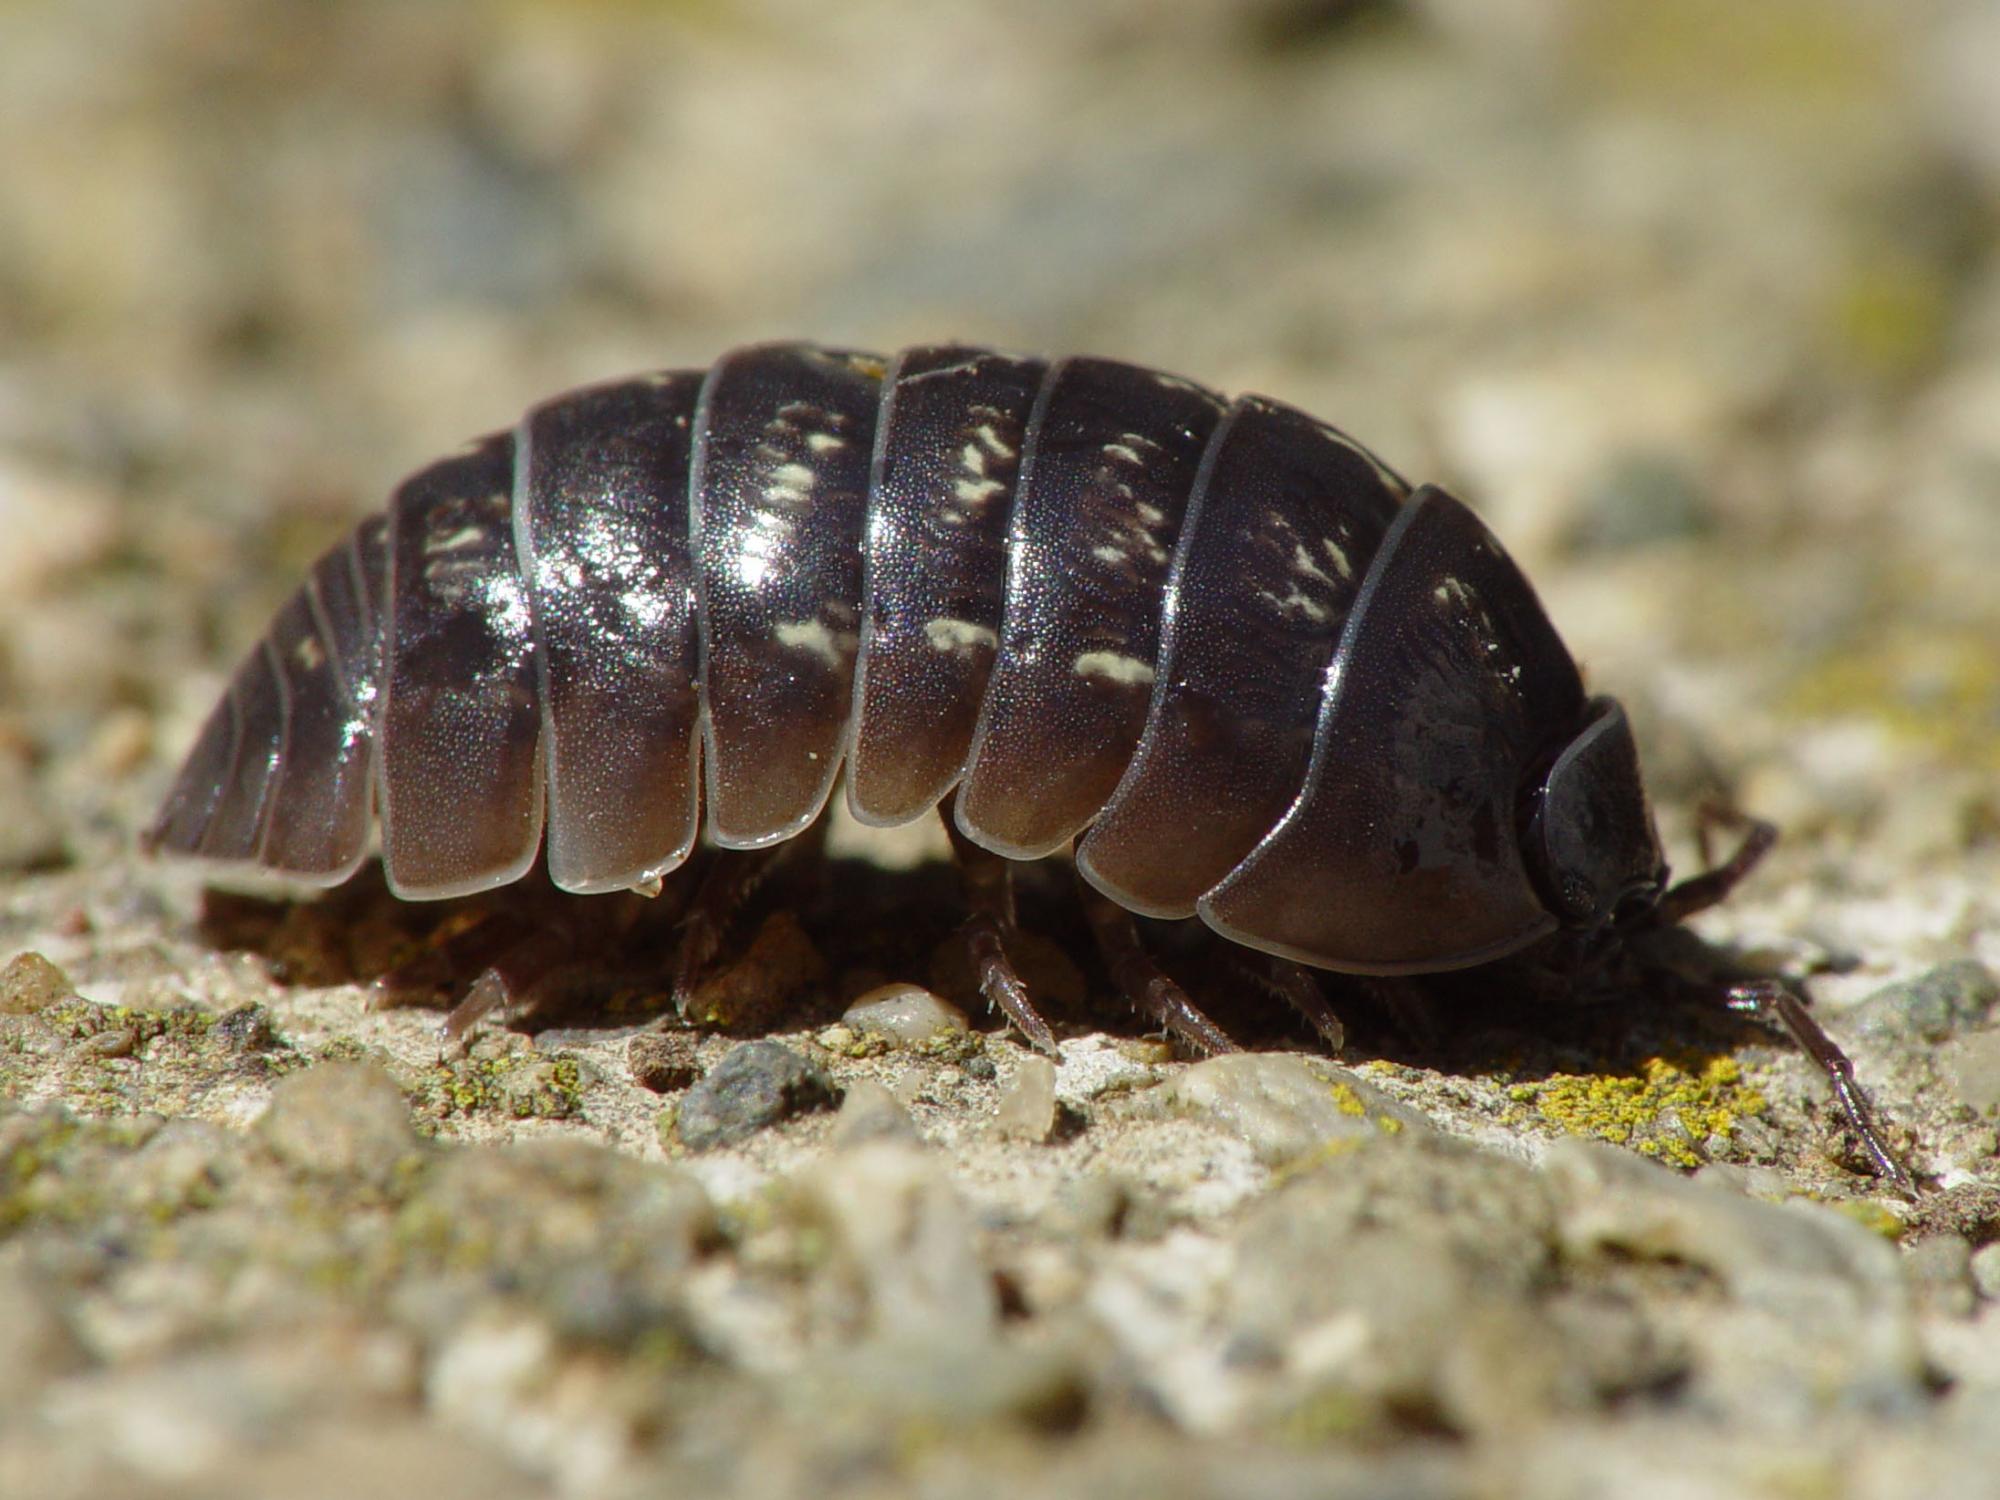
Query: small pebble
x=755 y=1085
x=904 y=1013
x=115 y=1041
x=1638 y=500
x=248 y=1029
x=663 y=1061
x=1985 y=1269
x=342 y=1119
x=1286 y=1106
x=869 y=1112
x=30 y=983
x=1027 y=1108
x=1971 y=1065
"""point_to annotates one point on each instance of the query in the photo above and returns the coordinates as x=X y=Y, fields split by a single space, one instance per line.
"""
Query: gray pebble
x=1940 y=1273
x=1985 y=1269
x=37 y=1337
x=1820 y=1310
x=1640 y=499
x=903 y=1245
x=755 y=1085
x=1937 y=1004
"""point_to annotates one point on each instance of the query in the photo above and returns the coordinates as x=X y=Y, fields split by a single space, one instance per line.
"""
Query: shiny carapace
x=1218 y=645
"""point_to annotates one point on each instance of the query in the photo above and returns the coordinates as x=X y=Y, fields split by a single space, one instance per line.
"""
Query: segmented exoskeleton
x=1251 y=673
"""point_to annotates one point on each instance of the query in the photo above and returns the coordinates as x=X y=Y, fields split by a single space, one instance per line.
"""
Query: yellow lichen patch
x=1346 y=1100
x=1665 y=1110
x=1876 y=1217
x=1934 y=689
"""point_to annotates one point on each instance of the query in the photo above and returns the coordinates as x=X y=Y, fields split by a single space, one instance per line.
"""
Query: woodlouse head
x=1590 y=843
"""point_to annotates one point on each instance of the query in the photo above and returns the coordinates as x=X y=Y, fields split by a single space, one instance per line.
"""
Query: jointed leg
x=1775 y=1005
x=989 y=891
x=1140 y=980
x=1294 y=984
x=1699 y=892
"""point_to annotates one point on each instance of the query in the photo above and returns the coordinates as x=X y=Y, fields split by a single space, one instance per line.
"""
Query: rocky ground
x=1699 y=304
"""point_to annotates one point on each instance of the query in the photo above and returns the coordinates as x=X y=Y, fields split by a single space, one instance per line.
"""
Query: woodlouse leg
x=468 y=952
x=1699 y=892
x=510 y=979
x=731 y=879
x=989 y=891
x=1294 y=984
x=1775 y=1005
x=1141 y=981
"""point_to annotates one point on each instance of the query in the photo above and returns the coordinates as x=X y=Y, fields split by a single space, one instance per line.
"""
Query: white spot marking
x=1114 y=667
x=1339 y=556
x=1302 y=561
x=811 y=636
x=790 y=484
x=472 y=534
x=1120 y=450
x=1109 y=554
x=825 y=442
x=946 y=634
x=1305 y=604
x=977 y=491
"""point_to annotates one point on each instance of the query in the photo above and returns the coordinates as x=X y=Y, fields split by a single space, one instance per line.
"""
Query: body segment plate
x=1112 y=453
x=1401 y=852
x=601 y=523
x=784 y=435
x=1283 y=522
x=946 y=461
x=461 y=728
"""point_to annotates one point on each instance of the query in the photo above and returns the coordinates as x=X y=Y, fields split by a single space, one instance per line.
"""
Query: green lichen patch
x=108 y=1060
x=517 y=1084
x=1681 y=1112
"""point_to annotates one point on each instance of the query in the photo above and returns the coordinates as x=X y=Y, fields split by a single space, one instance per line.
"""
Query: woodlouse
x=1253 y=674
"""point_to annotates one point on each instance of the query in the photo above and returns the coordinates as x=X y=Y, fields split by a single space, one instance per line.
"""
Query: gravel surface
x=1699 y=303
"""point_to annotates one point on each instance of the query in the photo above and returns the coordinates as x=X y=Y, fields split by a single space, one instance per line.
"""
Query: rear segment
x=282 y=775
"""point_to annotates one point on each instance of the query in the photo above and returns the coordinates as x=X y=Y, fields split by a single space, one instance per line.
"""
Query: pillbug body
x=1251 y=673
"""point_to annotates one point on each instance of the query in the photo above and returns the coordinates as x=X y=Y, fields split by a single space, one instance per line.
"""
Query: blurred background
x=1697 y=301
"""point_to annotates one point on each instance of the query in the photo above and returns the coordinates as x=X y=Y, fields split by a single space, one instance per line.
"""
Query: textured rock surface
x=1700 y=304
